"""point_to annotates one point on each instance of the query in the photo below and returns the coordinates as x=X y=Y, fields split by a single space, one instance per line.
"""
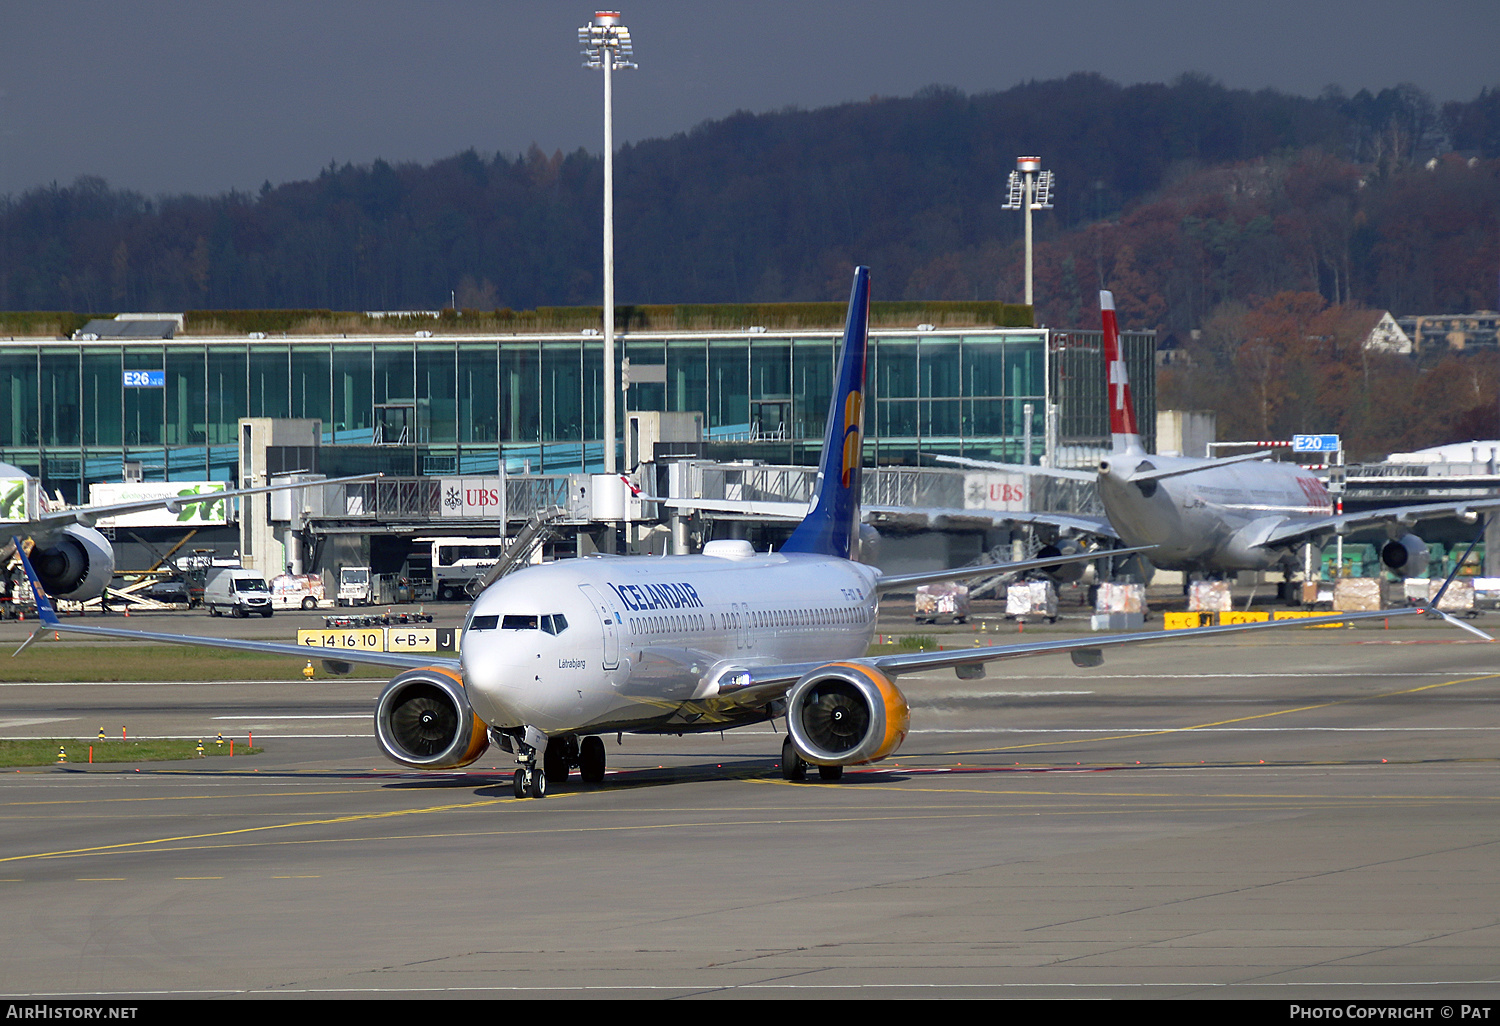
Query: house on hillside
x=1458 y=332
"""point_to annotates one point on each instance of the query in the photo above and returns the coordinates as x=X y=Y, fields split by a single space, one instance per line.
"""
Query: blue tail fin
x=831 y=527
x=43 y=606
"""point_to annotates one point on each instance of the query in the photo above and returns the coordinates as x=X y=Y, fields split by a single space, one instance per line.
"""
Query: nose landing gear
x=530 y=746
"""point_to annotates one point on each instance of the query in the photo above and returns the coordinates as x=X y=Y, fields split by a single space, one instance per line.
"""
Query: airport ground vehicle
x=298 y=591
x=174 y=592
x=354 y=586
x=238 y=593
x=458 y=563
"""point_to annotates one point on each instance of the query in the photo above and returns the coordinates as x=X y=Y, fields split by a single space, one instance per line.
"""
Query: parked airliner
x=1217 y=516
x=74 y=560
x=555 y=655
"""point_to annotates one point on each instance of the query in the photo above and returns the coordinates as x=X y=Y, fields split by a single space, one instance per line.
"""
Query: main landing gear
x=794 y=767
x=564 y=753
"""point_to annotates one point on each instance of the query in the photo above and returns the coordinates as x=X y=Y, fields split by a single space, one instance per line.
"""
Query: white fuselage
x=646 y=643
x=1214 y=519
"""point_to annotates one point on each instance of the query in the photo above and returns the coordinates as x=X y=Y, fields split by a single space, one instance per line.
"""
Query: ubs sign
x=473 y=497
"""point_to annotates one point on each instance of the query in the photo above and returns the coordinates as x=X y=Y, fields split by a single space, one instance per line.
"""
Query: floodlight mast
x=1030 y=189
x=606 y=44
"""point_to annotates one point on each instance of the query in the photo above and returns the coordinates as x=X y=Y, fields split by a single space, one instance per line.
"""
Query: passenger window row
x=820 y=617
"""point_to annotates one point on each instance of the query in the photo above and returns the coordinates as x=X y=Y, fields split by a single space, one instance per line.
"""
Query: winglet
x=1432 y=605
x=43 y=604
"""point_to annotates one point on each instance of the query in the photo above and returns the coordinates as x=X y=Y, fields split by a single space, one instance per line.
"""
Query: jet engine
x=1406 y=556
x=424 y=720
x=1067 y=573
x=75 y=564
x=843 y=713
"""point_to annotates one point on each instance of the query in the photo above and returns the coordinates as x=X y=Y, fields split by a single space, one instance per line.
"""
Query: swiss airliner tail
x=1124 y=436
x=831 y=527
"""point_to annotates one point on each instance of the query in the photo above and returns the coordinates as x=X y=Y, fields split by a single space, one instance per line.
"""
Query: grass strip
x=44 y=751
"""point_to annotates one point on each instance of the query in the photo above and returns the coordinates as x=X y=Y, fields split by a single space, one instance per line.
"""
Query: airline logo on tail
x=853 y=434
x=1123 y=433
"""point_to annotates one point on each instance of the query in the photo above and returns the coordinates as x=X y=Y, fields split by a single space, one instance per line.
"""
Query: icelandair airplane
x=74 y=560
x=555 y=655
x=1220 y=515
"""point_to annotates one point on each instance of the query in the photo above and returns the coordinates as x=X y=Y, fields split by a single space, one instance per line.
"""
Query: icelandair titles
x=644 y=597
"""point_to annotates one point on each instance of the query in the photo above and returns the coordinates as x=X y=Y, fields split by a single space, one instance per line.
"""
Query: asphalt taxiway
x=1307 y=814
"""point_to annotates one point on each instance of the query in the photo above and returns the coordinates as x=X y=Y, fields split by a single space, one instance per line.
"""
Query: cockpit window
x=552 y=623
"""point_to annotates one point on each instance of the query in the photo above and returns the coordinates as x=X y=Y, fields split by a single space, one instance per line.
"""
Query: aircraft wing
x=1300 y=530
x=889 y=581
x=88 y=516
x=1020 y=468
x=768 y=509
x=761 y=684
x=911 y=517
x=914 y=517
x=51 y=622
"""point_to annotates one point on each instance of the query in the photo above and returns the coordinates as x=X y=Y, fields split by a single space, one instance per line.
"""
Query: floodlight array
x=596 y=39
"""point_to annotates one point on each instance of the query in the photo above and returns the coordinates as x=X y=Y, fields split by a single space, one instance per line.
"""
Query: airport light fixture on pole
x=1030 y=189
x=606 y=44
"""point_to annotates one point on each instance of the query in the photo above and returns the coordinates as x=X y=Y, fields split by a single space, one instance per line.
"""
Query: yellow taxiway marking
x=1244 y=719
x=197 y=797
x=334 y=820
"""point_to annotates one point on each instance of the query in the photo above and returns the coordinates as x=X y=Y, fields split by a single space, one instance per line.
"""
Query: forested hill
x=1181 y=196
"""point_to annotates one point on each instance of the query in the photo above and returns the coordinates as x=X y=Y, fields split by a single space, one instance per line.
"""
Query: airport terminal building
x=93 y=409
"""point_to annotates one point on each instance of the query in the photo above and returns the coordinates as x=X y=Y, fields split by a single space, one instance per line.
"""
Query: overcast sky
x=185 y=96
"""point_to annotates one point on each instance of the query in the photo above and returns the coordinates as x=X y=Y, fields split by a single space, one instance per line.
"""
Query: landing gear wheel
x=792 y=766
x=830 y=773
x=519 y=782
x=561 y=754
x=591 y=759
x=538 y=785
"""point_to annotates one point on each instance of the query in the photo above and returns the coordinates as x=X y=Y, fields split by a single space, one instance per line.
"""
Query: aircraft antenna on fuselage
x=831 y=527
x=1124 y=436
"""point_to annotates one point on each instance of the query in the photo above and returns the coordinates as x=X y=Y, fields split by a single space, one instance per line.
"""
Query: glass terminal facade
x=78 y=411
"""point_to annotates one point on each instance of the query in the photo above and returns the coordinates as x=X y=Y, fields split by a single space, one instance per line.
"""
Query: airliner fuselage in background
x=1217 y=516
x=556 y=655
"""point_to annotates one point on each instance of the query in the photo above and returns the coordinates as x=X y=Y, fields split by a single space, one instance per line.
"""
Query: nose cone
x=498 y=663
x=531 y=654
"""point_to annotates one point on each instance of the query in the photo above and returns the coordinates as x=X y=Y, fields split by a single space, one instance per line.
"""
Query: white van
x=240 y=592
